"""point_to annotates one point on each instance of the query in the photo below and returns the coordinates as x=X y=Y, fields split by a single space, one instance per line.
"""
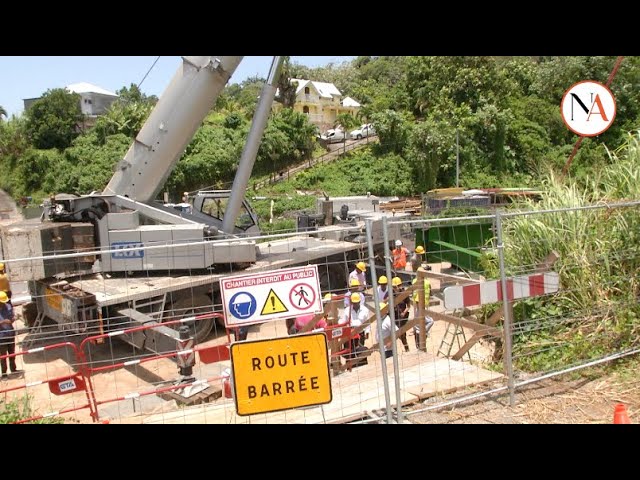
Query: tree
x=286 y=89
x=347 y=121
x=3 y=112
x=52 y=121
x=393 y=129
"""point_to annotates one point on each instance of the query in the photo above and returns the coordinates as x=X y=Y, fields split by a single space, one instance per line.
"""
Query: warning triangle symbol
x=273 y=304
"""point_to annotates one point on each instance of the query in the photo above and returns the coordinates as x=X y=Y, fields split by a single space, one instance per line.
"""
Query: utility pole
x=457 y=159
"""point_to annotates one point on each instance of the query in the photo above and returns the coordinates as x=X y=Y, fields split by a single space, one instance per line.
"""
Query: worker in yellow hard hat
x=354 y=317
x=387 y=329
x=402 y=309
x=5 y=285
x=7 y=336
x=354 y=287
x=417 y=258
x=383 y=289
x=358 y=273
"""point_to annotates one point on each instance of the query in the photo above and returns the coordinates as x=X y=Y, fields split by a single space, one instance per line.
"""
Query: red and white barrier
x=524 y=286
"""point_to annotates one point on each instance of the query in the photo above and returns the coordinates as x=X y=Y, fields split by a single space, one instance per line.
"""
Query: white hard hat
x=398 y=243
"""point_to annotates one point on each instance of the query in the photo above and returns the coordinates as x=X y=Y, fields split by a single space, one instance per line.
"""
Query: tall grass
x=599 y=262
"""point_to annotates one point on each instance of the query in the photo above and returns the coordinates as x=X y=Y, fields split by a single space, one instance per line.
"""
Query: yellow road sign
x=273 y=304
x=282 y=373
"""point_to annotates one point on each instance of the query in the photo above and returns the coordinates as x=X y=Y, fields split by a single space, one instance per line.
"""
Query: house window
x=307 y=91
x=305 y=109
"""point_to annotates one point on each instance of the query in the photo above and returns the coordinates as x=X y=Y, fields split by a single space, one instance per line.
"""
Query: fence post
x=392 y=316
x=374 y=284
x=506 y=326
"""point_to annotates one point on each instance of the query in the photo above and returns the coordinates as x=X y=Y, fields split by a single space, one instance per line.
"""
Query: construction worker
x=354 y=287
x=354 y=317
x=416 y=307
x=400 y=255
x=357 y=315
x=7 y=335
x=417 y=258
x=5 y=286
x=386 y=333
x=402 y=309
x=358 y=274
x=383 y=289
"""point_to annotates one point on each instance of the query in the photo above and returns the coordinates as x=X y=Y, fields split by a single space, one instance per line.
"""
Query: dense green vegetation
x=504 y=109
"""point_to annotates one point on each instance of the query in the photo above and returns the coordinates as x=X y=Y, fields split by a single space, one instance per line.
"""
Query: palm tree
x=348 y=122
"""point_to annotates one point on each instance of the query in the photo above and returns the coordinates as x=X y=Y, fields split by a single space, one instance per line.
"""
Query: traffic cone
x=620 y=414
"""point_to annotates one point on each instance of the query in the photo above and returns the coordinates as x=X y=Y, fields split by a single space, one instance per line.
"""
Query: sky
x=31 y=76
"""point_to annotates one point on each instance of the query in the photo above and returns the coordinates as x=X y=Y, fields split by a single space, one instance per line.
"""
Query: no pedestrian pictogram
x=302 y=296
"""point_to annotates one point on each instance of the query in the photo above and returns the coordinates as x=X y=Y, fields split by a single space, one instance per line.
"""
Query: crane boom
x=170 y=127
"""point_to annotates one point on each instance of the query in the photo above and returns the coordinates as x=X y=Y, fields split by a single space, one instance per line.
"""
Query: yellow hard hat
x=383 y=305
x=3 y=297
x=355 y=298
x=1 y=266
x=396 y=281
x=328 y=296
x=354 y=282
x=419 y=249
x=361 y=266
x=383 y=280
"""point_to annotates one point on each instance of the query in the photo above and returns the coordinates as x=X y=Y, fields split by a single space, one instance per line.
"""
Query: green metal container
x=459 y=244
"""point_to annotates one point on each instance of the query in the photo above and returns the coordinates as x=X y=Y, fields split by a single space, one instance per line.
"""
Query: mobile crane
x=117 y=259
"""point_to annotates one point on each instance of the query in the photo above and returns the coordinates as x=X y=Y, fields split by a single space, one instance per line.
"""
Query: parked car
x=364 y=131
x=333 y=136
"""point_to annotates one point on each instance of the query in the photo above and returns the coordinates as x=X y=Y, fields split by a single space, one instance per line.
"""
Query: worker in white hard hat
x=400 y=255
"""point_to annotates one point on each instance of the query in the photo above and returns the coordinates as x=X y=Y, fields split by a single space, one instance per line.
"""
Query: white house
x=94 y=100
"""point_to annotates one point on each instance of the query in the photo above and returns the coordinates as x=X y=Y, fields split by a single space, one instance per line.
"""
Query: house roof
x=326 y=90
x=84 y=87
x=350 y=102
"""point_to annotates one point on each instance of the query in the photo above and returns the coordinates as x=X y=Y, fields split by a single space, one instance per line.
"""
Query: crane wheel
x=188 y=306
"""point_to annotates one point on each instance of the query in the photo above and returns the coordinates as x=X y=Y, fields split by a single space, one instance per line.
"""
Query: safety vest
x=399 y=257
x=427 y=291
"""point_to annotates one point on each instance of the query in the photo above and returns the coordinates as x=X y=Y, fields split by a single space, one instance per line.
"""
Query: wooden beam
x=467 y=346
x=463 y=322
x=495 y=318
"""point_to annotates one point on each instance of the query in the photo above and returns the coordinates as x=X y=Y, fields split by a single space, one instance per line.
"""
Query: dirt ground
x=587 y=398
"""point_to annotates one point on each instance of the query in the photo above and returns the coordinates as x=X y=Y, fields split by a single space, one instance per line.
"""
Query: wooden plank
x=463 y=322
x=495 y=318
x=467 y=346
